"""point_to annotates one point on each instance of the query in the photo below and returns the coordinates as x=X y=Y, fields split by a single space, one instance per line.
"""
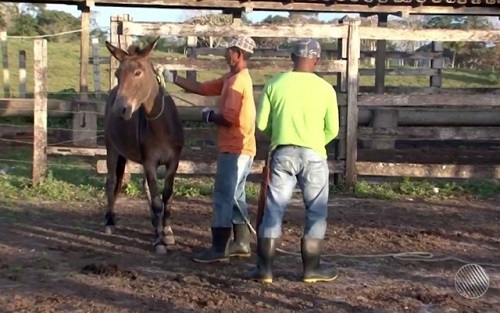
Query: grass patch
x=415 y=189
x=75 y=179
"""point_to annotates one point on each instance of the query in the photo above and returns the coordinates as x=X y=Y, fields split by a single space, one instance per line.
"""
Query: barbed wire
x=82 y=165
x=59 y=143
x=50 y=128
x=59 y=34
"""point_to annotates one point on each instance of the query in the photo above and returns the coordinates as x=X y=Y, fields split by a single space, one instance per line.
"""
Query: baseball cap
x=307 y=48
x=245 y=43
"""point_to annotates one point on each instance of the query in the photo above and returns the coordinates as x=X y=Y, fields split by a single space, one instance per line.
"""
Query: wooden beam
x=202 y=168
x=427 y=90
x=271 y=65
x=428 y=170
x=309 y=6
x=449 y=100
x=382 y=33
x=399 y=72
x=264 y=30
x=430 y=133
x=55 y=150
x=325 y=54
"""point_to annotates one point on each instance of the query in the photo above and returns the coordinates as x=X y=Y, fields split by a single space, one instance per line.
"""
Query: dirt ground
x=54 y=257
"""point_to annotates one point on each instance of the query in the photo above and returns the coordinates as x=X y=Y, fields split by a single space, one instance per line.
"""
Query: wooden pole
x=113 y=39
x=40 y=111
x=5 y=59
x=354 y=48
x=84 y=52
x=22 y=73
x=96 y=67
x=84 y=123
x=382 y=118
x=340 y=142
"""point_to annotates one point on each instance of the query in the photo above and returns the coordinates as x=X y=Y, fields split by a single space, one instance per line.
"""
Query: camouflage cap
x=307 y=48
x=245 y=43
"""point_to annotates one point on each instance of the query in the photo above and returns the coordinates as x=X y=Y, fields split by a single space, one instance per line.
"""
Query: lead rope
x=403 y=256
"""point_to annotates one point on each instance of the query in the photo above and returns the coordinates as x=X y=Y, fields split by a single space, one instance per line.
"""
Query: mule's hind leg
x=156 y=207
x=116 y=168
x=145 y=187
x=170 y=171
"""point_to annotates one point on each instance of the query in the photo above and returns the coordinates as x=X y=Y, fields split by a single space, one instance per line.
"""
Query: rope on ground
x=402 y=256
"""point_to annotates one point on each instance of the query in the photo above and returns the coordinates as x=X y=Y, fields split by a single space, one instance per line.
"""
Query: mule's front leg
x=170 y=170
x=156 y=208
x=116 y=167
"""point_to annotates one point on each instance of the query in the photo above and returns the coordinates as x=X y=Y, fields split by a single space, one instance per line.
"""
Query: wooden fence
x=351 y=99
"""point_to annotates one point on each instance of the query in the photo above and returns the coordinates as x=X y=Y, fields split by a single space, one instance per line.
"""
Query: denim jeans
x=289 y=165
x=230 y=179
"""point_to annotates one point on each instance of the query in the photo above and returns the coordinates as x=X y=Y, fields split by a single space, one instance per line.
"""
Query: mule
x=142 y=124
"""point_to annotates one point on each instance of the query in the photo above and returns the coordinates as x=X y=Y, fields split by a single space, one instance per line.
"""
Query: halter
x=162 y=84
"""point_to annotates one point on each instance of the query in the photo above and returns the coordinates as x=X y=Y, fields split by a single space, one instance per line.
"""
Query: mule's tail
x=120 y=171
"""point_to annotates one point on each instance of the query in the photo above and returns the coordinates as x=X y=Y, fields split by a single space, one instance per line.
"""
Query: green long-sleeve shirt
x=299 y=108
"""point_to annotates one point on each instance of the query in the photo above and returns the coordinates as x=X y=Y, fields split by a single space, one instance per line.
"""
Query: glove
x=205 y=114
x=170 y=76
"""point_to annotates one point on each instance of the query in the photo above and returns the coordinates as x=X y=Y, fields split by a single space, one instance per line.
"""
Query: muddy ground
x=54 y=257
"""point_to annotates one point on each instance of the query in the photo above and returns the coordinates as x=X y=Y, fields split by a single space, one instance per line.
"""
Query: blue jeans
x=289 y=165
x=230 y=179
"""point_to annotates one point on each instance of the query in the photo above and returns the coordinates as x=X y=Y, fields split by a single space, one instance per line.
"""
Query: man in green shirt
x=298 y=110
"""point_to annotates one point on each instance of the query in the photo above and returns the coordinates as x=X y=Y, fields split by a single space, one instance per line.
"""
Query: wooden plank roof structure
x=397 y=7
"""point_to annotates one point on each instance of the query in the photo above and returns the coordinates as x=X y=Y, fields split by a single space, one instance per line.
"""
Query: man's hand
x=170 y=76
x=205 y=114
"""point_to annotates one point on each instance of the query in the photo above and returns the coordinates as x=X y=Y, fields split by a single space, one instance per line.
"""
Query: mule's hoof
x=109 y=230
x=161 y=249
x=170 y=240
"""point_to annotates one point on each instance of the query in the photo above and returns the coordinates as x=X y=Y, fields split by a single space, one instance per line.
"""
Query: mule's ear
x=118 y=53
x=146 y=51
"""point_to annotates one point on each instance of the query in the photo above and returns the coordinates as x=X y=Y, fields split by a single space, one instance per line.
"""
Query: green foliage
x=75 y=179
x=414 y=189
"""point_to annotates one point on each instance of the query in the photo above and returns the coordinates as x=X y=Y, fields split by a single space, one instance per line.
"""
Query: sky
x=161 y=15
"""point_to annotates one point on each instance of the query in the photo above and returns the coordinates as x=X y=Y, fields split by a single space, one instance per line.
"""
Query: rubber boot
x=311 y=254
x=240 y=247
x=262 y=272
x=218 y=252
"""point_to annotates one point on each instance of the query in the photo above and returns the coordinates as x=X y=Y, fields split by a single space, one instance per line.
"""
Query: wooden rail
x=352 y=101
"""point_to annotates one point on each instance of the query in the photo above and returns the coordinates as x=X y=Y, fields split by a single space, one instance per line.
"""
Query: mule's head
x=137 y=84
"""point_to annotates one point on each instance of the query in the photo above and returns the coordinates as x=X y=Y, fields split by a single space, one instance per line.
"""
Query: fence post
x=84 y=119
x=340 y=143
x=22 y=73
x=113 y=39
x=192 y=43
x=39 y=168
x=353 y=54
x=436 y=81
x=124 y=41
x=382 y=118
x=96 y=62
x=5 y=59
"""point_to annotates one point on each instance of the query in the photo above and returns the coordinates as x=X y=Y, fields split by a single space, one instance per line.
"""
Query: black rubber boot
x=218 y=252
x=240 y=247
x=311 y=254
x=262 y=272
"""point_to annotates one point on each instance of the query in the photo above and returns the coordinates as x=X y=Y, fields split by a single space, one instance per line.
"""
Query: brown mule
x=142 y=124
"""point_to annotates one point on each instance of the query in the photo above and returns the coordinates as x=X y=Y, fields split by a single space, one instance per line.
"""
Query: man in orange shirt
x=236 y=148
